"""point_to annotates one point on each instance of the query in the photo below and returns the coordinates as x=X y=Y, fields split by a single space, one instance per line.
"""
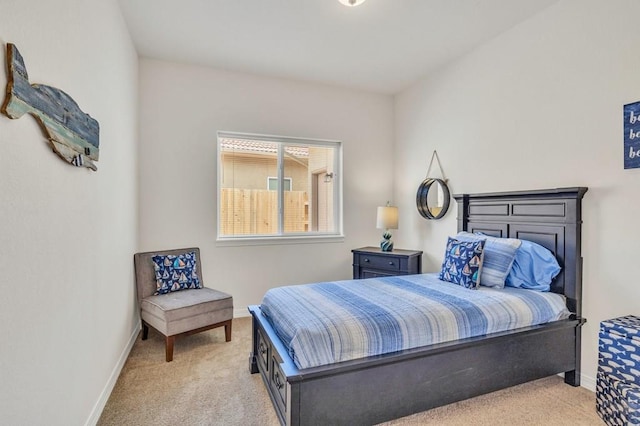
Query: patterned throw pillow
x=175 y=273
x=462 y=262
x=499 y=254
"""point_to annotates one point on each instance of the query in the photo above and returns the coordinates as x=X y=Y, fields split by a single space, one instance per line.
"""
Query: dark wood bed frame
x=380 y=388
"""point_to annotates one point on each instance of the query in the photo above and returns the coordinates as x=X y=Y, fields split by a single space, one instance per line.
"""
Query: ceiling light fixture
x=352 y=3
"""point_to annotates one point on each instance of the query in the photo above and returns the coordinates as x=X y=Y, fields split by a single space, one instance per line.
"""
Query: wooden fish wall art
x=72 y=134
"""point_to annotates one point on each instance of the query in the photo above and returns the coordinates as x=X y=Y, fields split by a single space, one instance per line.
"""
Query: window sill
x=264 y=241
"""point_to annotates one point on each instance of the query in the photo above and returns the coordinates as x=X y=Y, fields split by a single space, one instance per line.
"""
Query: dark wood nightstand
x=370 y=262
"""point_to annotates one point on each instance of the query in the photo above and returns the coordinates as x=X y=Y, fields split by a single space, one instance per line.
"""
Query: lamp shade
x=387 y=217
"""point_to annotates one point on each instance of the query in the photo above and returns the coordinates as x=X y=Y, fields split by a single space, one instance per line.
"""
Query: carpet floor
x=208 y=383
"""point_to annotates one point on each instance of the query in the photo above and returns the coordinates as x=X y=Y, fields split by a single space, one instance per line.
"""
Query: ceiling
x=381 y=46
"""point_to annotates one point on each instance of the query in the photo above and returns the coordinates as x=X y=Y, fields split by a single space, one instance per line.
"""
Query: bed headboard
x=551 y=218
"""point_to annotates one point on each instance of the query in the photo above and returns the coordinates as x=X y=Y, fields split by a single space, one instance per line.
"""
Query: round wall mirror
x=433 y=198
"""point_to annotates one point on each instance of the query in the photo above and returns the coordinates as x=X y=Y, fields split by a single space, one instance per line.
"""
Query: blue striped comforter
x=331 y=322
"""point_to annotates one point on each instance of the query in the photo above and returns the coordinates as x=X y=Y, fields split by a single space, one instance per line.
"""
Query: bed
x=378 y=388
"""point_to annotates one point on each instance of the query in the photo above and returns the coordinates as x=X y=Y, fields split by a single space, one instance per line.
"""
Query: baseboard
x=241 y=312
x=588 y=382
x=108 y=388
x=585 y=382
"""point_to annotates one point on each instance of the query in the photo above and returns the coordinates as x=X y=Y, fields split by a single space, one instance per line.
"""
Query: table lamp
x=387 y=219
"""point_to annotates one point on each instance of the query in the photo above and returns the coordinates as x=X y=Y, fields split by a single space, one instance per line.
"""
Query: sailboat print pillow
x=175 y=273
x=462 y=262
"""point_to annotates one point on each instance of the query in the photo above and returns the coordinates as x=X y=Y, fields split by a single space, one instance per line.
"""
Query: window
x=272 y=184
x=302 y=194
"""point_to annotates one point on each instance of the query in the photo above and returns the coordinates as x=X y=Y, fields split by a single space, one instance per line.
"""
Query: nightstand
x=370 y=262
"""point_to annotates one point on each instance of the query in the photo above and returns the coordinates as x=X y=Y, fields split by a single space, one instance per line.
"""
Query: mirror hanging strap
x=435 y=156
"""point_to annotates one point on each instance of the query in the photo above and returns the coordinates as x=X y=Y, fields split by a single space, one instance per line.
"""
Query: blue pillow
x=174 y=273
x=534 y=267
x=499 y=254
x=462 y=263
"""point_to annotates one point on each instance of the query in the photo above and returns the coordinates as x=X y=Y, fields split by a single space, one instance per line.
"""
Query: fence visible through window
x=275 y=187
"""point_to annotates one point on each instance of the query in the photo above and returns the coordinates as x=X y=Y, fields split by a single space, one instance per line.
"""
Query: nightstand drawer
x=374 y=273
x=370 y=262
x=263 y=352
x=381 y=262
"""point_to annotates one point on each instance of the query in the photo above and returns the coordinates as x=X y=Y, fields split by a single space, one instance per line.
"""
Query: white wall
x=182 y=108
x=67 y=234
x=538 y=107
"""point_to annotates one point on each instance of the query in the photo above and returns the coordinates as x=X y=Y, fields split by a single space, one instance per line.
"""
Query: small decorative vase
x=386 y=244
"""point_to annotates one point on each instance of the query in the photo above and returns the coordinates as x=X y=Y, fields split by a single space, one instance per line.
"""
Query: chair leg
x=227 y=331
x=169 y=348
x=145 y=330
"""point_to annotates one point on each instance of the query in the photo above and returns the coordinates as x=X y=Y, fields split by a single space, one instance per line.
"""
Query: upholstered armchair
x=175 y=301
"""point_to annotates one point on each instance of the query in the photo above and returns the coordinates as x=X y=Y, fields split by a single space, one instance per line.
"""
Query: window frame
x=337 y=235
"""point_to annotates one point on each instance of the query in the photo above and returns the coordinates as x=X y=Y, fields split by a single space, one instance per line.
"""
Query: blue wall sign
x=632 y=135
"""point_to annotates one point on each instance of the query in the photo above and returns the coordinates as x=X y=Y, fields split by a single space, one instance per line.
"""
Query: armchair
x=182 y=312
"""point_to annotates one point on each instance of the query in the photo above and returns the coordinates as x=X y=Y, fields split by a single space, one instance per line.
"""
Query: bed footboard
x=386 y=387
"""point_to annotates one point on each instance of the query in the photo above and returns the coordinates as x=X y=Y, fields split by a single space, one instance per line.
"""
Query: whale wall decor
x=72 y=134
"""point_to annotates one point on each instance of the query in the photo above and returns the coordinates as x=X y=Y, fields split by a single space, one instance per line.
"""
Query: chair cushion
x=179 y=305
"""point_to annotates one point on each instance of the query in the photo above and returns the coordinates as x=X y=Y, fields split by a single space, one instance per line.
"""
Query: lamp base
x=386 y=244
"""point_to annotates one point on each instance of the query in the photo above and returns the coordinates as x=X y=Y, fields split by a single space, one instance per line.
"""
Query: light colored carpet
x=208 y=383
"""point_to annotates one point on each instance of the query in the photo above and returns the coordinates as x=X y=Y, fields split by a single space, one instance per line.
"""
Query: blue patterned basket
x=618 y=379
